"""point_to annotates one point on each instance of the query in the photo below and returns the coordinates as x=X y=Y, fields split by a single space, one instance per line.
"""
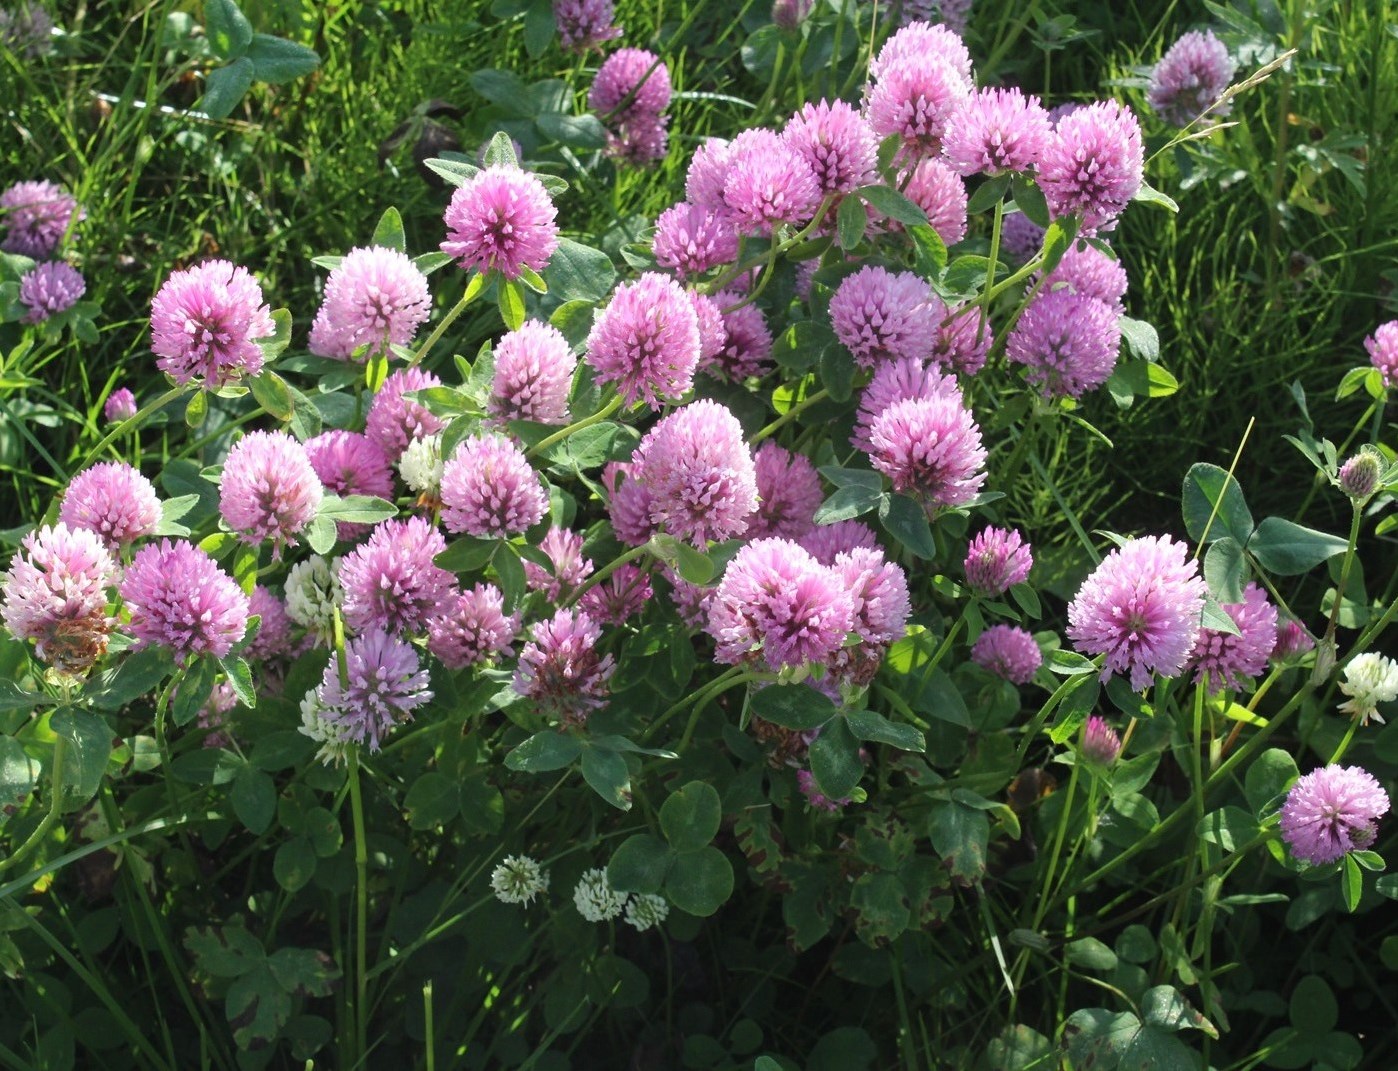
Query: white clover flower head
x=518 y=879
x=595 y=898
x=1370 y=679
x=421 y=465
x=646 y=910
x=312 y=594
x=314 y=724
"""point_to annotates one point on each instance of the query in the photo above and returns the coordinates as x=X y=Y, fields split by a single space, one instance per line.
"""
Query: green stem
x=1344 y=573
x=790 y=415
x=991 y=266
x=131 y=424
x=361 y=909
x=60 y=752
x=724 y=679
x=473 y=290
x=711 y=692
x=563 y=433
x=607 y=570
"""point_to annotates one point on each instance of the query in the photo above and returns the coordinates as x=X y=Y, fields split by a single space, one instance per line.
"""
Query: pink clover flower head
x=640 y=140
x=214 y=715
x=713 y=336
x=633 y=73
x=50 y=288
x=931 y=449
x=534 y=368
x=349 y=463
x=204 y=323
x=1100 y=743
x=915 y=99
x=1190 y=77
x=747 y=341
x=789 y=493
x=691 y=601
x=879 y=315
x=55 y=593
x=569 y=568
x=113 y=500
x=768 y=183
x=1009 y=652
x=789 y=14
x=691 y=239
x=777 y=599
x=896 y=381
x=1359 y=475
x=826 y=542
x=273 y=639
x=1332 y=811
x=646 y=341
x=941 y=193
x=120 y=405
x=963 y=339
x=385 y=682
x=489 y=490
x=501 y=220
x=269 y=489
x=179 y=598
x=393 y=420
x=805 y=782
x=561 y=669
x=620 y=597
x=36 y=216
x=699 y=473
x=374 y=298
x=1292 y=640
x=879 y=590
x=1087 y=270
x=708 y=171
x=996 y=130
x=1092 y=165
x=1067 y=342
x=585 y=24
x=923 y=42
x=1383 y=351
x=1020 y=238
x=836 y=142
x=391 y=582
x=1140 y=608
x=472 y=627
x=628 y=503
x=1228 y=661
x=997 y=560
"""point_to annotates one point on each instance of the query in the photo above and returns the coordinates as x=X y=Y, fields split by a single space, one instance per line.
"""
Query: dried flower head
x=55 y=593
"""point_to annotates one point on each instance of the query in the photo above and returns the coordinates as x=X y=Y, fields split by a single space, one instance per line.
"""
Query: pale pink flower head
x=1140 y=608
x=639 y=140
x=997 y=560
x=585 y=24
x=1092 y=165
x=374 y=298
x=691 y=601
x=1100 y=743
x=36 y=216
x=472 y=627
x=827 y=542
x=630 y=73
x=567 y=566
x=561 y=669
x=1228 y=661
x=391 y=582
x=789 y=493
x=713 y=336
x=1020 y=238
x=1008 y=651
x=179 y=598
x=768 y=182
x=49 y=289
x=881 y=315
x=941 y=193
x=699 y=473
x=204 y=323
x=777 y=602
x=384 y=682
x=995 y=131
x=963 y=338
x=708 y=170
x=534 y=368
x=1383 y=351
x=394 y=421
x=349 y=463
x=747 y=340
x=503 y=220
x=620 y=597
x=879 y=590
x=273 y=639
x=55 y=593
x=113 y=500
x=1292 y=640
x=269 y=489
x=923 y=42
x=628 y=503
x=931 y=449
x=838 y=144
x=1191 y=76
x=896 y=381
x=1067 y=342
x=691 y=239
x=120 y=405
x=646 y=341
x=915 y=99
x=1087 y=270
x=1332 y=811
x=489 y=490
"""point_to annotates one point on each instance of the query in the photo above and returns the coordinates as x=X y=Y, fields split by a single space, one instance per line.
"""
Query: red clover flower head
x=768 y=182
x=1100 y=743
x=747 y=340
x=836 y=142
x=640 y=139
x=391 y=582
x=931 y=449
x=826 y=542
x=273 y=639
x=1067 y=342
x=269 y=489
x=179 y=598
x=55 y=593
x=1020 y=237
x=634 y=73
x=113 y=500
x=1292 y=640
x=1383 y=351
x=569 y=568
x=915 y=99
x=963 y=338
x=881 y=315
x=1087 y=270
x=708 y=170
x=789 y=493
x=691 y=239
x=472 y=627
x=120 y=405
x=1092 y=165
x=646 y=340
x=713 y=336
x=895 y=381
x=489 y=491
x=48 y=289
x=204 y=323
x=374 y=298
x=941 y=193
x=1008 y=651
x=384 y=682
x=349 y=463
x=534 y=368
x=1140 y=608
x=394 y=421
x=1192 y=75
x=561 y=669
x=502 y=219
x=585 y=24
x=628 y=503
x=1228 y=661
x=996 y=131
x=879 y=590
x=997 y=560
x=36 y=216
x=1332 y=811
x=923 y=42
x=620 y=597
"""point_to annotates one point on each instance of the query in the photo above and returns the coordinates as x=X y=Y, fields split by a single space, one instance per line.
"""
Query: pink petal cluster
x=489 y=490
x=1009 y=652
x=746 y=348
x=995 y=131
x=880 y=315
x=534 y=368
x=1092 y=166
x=628 y=503
x=1332 y=811
x=36 y=216
x=620 y=597
x=837 y=144
x=630 y=94
x=585 y=24
x=767 y=182
x=391 y=582
x=120 y=405
x=269 y=490
x=383 y=683
x=963 y=338
x=930 y=448
x=1140 y=608
x=707 y=173
x=113 y=500
x=1292 y=640
x=691 y=239
x=924 y=42
x=1190 y=77
x=1068 y=343
x=1100 y=743
x=646 y=341
x=1383 y=351
x=1087 y=270
x=472 y=627
x=1225 y=660
x=919 y=80
x=827 y=542
x=179 y=598
x=349 y=463
x=568 y=567
x=204 y=323
x=501 y=220
x=561 y=669
x=55 y=593
x=941 y=193
x=374 y=298
x=273 y=639
x=788 y=491
x=49 y=289
x=394 y=421
x=897 y=380
x=997 y=560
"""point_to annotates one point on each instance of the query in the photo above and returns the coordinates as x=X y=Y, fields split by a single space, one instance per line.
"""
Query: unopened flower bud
x=1100 y=743
x=1359 y=476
